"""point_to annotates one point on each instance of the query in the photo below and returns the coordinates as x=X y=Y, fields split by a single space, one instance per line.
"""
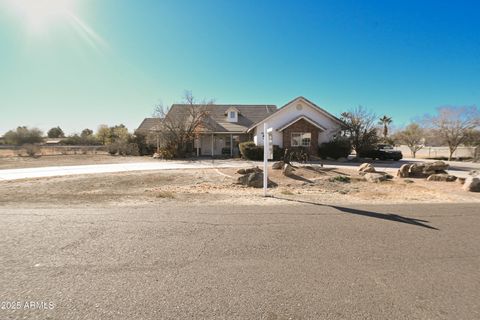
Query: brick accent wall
x=302 y=126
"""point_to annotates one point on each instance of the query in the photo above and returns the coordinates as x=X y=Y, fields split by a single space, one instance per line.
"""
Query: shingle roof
x=217 y=121
x=147 y=124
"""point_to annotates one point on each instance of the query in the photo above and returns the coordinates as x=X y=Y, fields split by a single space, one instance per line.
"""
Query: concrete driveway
x=14 y=174
x=287 y=261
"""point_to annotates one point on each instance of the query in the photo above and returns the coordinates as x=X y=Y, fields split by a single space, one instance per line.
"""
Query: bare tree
x=182 y=123
x=453 y=124
x=413 y=136
x=360 y=128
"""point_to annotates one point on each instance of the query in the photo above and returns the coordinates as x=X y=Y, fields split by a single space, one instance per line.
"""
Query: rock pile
x=370 y=174
x=252 y=177
x=422 y=170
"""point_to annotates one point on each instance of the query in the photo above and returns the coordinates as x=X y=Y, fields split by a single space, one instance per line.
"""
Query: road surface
x=286 y=261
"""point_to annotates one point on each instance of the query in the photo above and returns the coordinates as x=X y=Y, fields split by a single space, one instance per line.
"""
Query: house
x=299 y=123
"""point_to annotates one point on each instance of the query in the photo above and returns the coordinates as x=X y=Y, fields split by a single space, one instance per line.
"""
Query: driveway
x=287 y=261
x=14 y=174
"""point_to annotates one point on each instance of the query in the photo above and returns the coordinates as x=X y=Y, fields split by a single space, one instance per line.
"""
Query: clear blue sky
x=111 y=61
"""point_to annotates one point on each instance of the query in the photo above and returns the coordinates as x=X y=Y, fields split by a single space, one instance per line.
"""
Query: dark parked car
x=382 y=152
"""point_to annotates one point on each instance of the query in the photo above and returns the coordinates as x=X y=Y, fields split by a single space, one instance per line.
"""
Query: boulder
x=403 y=172
x=472 y=184
x=436 y=166
x=366 y=167
x=416 y=169
x=375 y=177
x=441 y=177
x=255 y=179
x=278 y=165
x=241 y=171
x=251 y=180
x=287 y=170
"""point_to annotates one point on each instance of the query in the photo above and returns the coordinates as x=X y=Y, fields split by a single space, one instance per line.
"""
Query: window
x=301 y=139
x=232 y=114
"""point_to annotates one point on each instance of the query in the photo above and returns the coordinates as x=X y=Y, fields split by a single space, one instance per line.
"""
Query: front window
x=301 y=139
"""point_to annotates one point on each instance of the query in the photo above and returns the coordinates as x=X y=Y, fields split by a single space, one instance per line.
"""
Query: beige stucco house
x=299 y=123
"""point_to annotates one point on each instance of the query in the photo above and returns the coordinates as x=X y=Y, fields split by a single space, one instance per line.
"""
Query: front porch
x=219 y=144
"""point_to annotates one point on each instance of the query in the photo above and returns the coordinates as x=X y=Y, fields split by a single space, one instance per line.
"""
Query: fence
x=441 y=152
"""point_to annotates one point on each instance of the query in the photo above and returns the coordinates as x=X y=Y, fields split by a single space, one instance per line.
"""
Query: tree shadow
x=371 y=214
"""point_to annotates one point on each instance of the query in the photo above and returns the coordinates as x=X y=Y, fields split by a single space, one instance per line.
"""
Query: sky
x=81 y=63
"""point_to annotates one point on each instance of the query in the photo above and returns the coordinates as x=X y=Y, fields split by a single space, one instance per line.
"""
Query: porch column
x=212 y=144
x=231 y=145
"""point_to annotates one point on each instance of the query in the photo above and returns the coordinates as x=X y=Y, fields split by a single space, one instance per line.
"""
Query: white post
x=265 y=160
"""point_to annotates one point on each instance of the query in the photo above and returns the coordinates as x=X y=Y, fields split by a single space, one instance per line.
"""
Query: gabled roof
x=217 y=120
x=148 y=124
x=321 y=110
x=314 y=123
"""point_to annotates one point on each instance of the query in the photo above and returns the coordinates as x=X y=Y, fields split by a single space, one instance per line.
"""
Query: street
x=287 y=261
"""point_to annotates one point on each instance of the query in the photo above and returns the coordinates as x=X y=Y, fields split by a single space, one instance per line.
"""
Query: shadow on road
x=372 y=214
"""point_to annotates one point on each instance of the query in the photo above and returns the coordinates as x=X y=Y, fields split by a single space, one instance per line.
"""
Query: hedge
x=335 y=149
x=250 y=151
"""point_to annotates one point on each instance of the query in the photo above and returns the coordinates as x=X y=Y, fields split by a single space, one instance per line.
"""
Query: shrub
x=112 y=149
x=132 y=149
x=166 y=152
x=335 y=149
x=340 y=178
x=250 y=151
x=31 y=149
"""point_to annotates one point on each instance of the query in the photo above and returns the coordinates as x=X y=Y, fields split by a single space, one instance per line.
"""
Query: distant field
x=7 y=151
x=15 y=162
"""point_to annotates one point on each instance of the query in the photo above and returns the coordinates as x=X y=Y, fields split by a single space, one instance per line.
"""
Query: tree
x=182 y=125
x=385 y=122
x=23 y=135
x=86 y=133
x=103 y=133
x=360 y=129
x=453 y=124
x=55 y=132
x=413 y=136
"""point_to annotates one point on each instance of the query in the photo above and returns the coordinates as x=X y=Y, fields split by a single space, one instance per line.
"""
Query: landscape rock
x=366 y=168
x=403 y=172
x=287 y=170
x=441 y=177
x=436 y=166
x=241 y=171
x=375 y=177
x=472 y=184
x=278 y=165
x=254 y=179
x=416 y=169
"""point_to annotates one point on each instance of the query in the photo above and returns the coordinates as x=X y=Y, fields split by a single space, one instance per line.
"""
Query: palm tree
x=385 y=121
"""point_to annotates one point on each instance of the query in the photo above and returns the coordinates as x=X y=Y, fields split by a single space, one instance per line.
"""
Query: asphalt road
x=289 y=261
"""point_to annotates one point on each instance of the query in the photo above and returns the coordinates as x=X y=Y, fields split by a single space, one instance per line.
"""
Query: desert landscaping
x=358 y=184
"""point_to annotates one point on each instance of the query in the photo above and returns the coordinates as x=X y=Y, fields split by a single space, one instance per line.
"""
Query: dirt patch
x=309 y=184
